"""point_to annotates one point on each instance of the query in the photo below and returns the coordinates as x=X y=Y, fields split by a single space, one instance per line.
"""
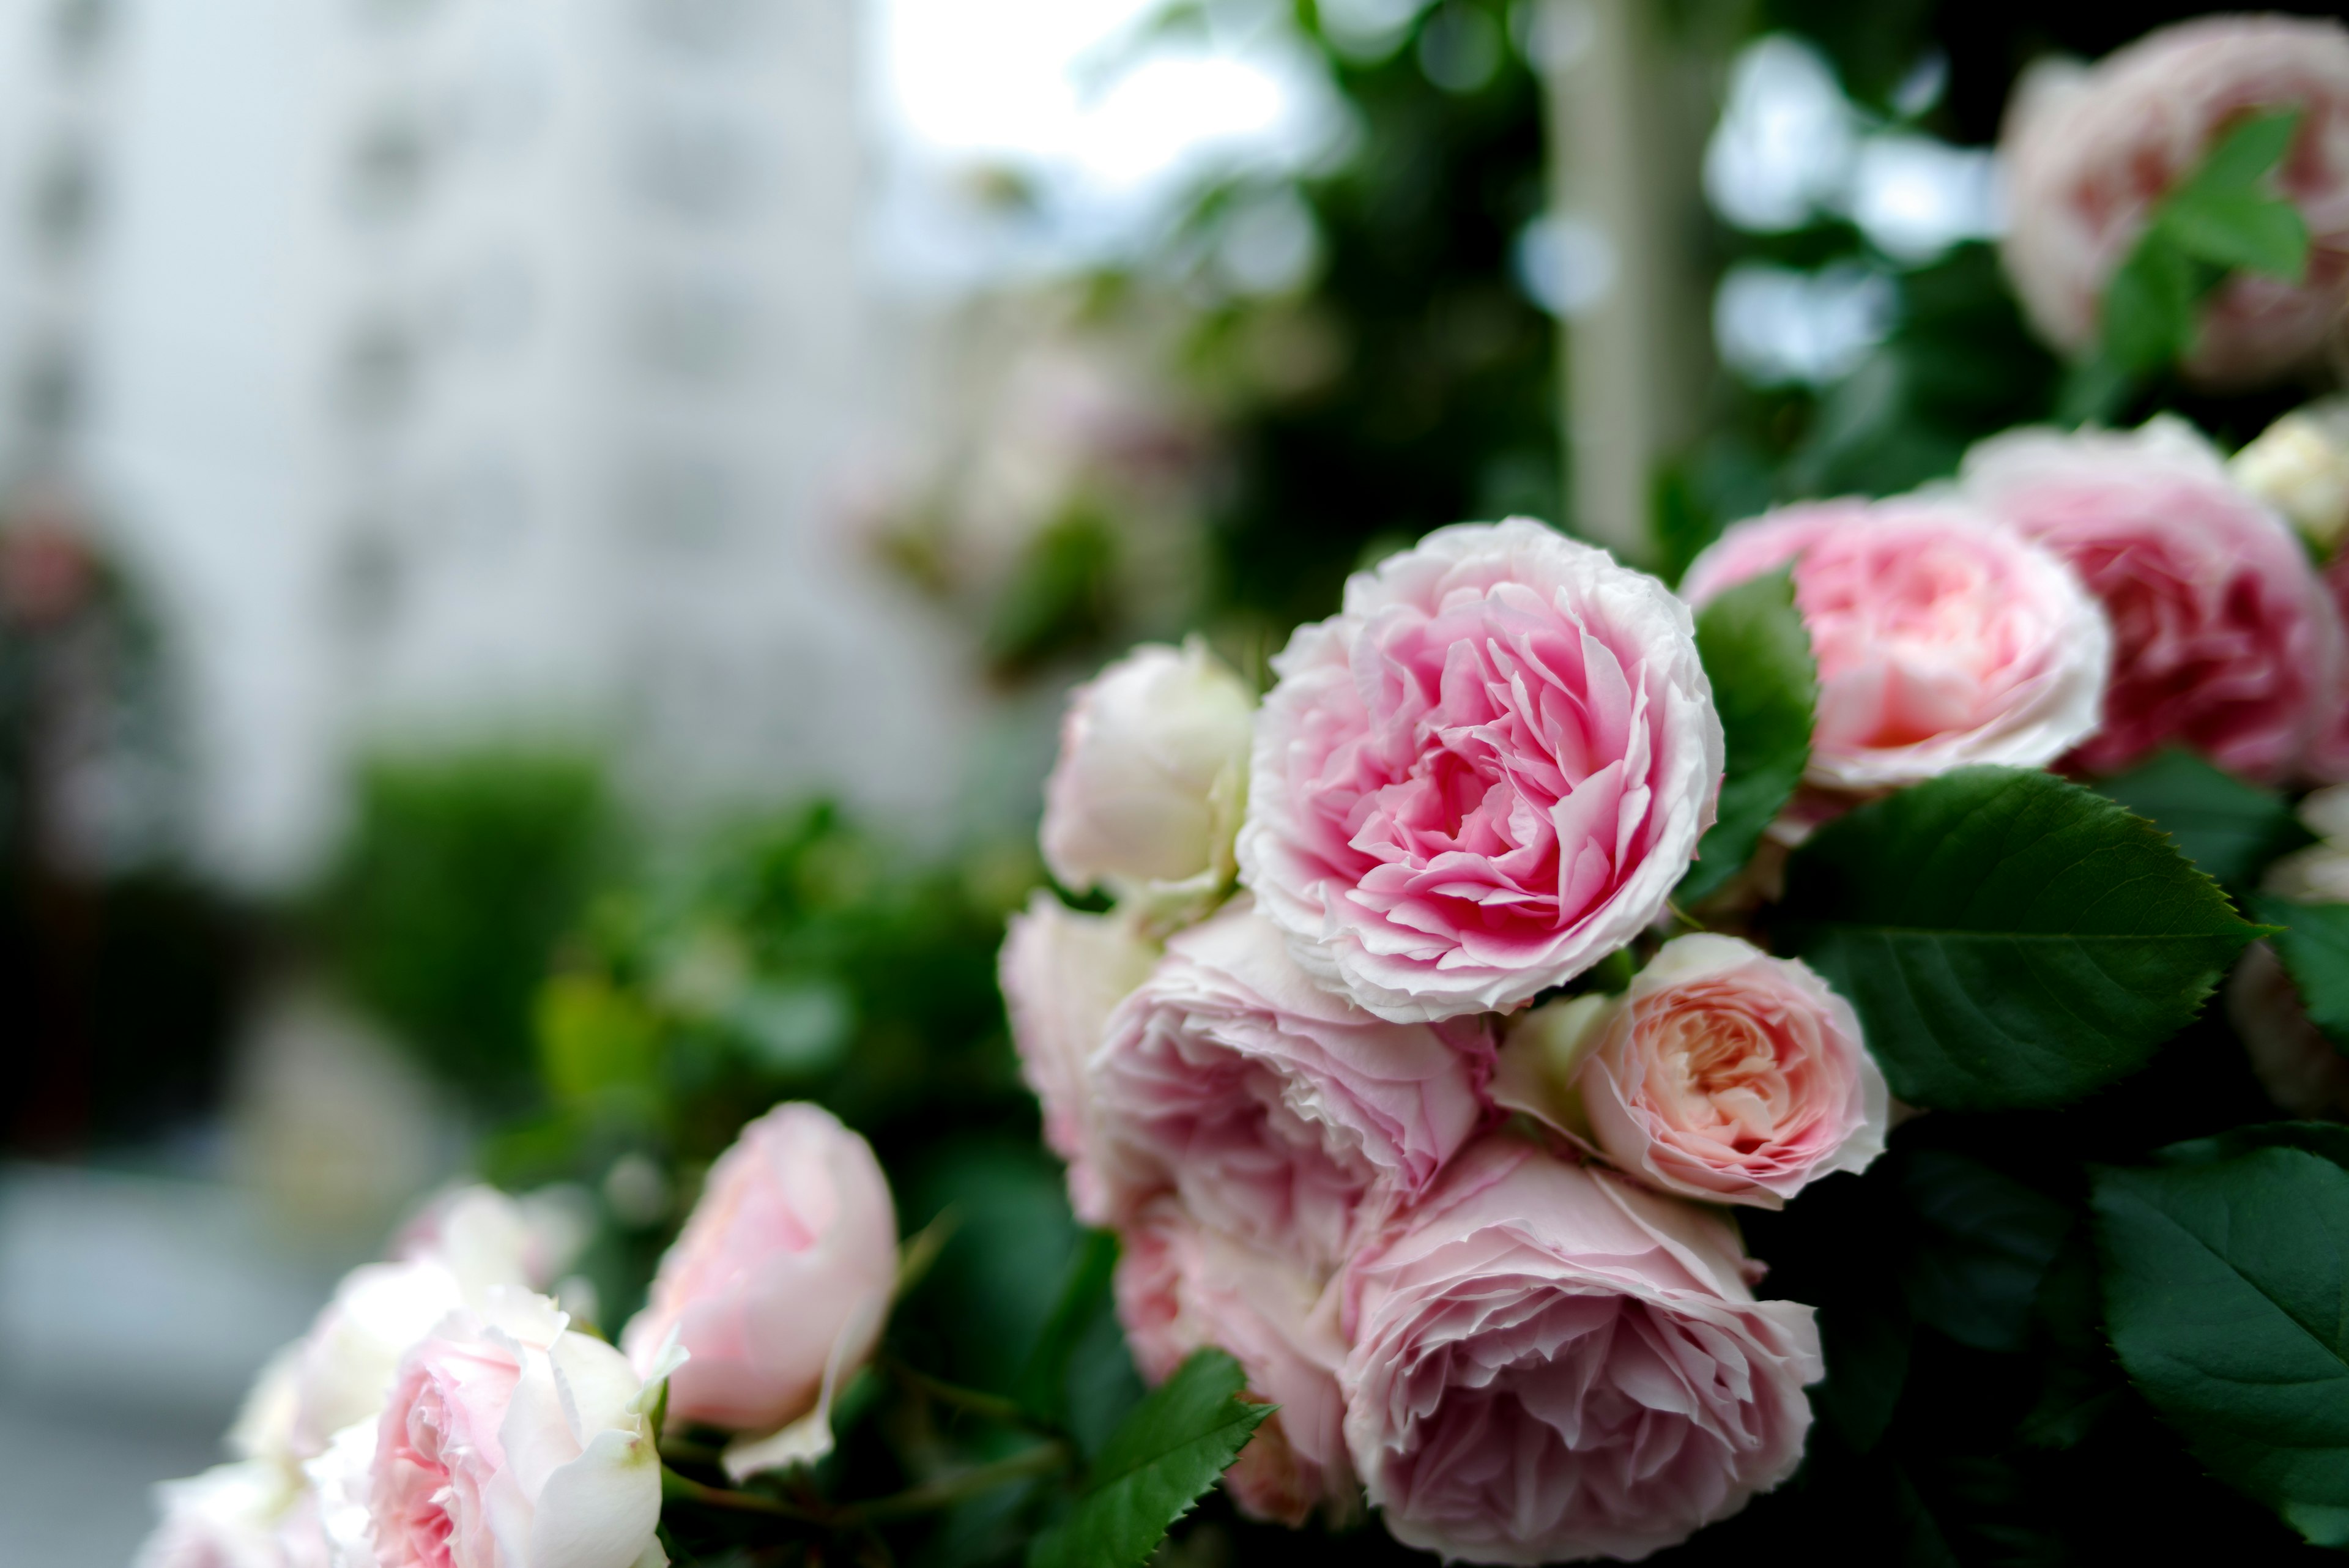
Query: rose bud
x=2088 y=154
x=1483 y=776
x=2223 y=640
x=1151 y=780
x=1181 y=1287
x=1549 y=1362
x=2301 y=1070
x=507 y=1441
x=1062 y=973
x=1942 y=637
x=1274 y=1107
x=781 y=1275
x=251 y=1514
x=1725 y=1074
x=2299 y=466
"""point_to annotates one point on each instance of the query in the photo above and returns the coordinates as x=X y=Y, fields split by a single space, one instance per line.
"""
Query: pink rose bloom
x=2328 y=753
x=2223 y=640
x=1550 y=1363
x=2088 y=153
x=783 y=1273
x=2302 y=1072
x=250 y=1514
x=1943 y=637
x=1061 y=974
x=1180 y=1288
x=1732 y=1076
x=1483 y=776
x=509 y=1441
x=1274 y=1107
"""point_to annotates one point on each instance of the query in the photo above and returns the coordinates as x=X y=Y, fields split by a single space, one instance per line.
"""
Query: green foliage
x=1154 y=1467
x=1983 y=1245
x=2009 y=939
x=2313 y=943
x=443 y=909
x=2224 y=1282
x=2230 y=829
x=1758 y=657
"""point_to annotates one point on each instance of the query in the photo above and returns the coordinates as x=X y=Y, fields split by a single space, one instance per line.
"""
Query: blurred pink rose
x=509 y=1441
x=1180 y=1288
x=2223 y=640
x=1274 y=1107
x=251 y=1514
x=785 y=1271
x=2088 y=153
x=2328 y=753
x=1549 y=1362
x=2302 y=1072
x=1942 y=637
x=1061 y=974
x=1483 y=776
x=1732 y=1076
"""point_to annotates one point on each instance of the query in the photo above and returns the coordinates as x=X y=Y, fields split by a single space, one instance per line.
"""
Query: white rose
x=2299 y=466
x=242 y=1515
x=1151 y=780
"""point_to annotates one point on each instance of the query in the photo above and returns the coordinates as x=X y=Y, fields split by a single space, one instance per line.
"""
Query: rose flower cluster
x=442 y=1413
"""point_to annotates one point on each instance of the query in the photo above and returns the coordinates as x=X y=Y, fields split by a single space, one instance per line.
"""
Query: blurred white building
x=484 y=368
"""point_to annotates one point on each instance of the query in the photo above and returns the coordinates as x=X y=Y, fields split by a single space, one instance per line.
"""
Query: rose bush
x=1548 y=1363
x=1942 y=637
x=1483 y=775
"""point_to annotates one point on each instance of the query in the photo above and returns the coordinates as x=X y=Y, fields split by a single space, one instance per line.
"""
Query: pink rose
x=1274 y=1107
x=2088 y=153
x=1942 y=637
x=2302 y=1071
x=1062 y=973
x=2223 y=640
x=250 y=1514
x=2328 y=755
x=1181 y=1287
x=1732 y=1076
x=783 y=1273
x=1550 y=1363
x=1483 y=776
x=509 y=1441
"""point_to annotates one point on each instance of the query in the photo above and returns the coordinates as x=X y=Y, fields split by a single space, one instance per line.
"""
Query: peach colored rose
x=1483 y=776
x=2088 y=153
x=1548 y=1363
x=781 y=1275
x=1062 y=973
x=2223 y=640
x=1181 y=1287
x=1274 y=1109
x=1942 y=637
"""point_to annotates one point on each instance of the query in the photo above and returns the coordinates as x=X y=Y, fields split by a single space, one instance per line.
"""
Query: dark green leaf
x=1044 y=1383
x=1866 y=1345
x=2243 y=156
x=2326 y=1140
x=1982 y=1245
x=1154 y=1467
x=2149 y=317
x=2230 y=829
x=2245 y=229
x=2313 y=946
x=2225 y=1289
x=2009 y=939
x=1764 y=684
x=2094 y=390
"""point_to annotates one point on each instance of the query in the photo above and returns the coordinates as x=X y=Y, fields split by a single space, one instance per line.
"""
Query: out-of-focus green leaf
x=594 y=1038
x=2149 y=317
x=1157 y=1464
x=1764 y=684
x=1984 y=1244
x=2313 y=947
x=2230 y=829
x=2241 y=229
x=2009 y=939
x=2326 y=1140
x=1044 y=1383
x=2224 y=1284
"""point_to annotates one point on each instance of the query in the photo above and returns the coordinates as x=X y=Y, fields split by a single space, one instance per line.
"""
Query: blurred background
x=542 y=544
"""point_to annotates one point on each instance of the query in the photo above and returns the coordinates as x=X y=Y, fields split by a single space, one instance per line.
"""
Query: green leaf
x=2245 y=229
x=1984 y=1244
x=2326 y=1140
x=2313 y=946
x=1159 y=1462
x=2244 y=155
x=2009 y=939
x=1764 y=685
x=2225 y=1288
x=2149 y=318
x=2230 y=829
x=1044 y=1382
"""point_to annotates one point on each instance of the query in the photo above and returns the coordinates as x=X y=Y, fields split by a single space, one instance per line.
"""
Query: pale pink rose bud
x=510 y=1441
x=1152 y=777
x=1943 y=637
x=783 y=1273
x=2088 y=154
x=1729 y=1075
x=1180 y=1288
x=2299 y=466
x=2302 y=1072
x=1483 y=776
x=1274 y=1107
x=241 y=1515
x=1549 y=1362
x=2223 y=640
x=1061 y=974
